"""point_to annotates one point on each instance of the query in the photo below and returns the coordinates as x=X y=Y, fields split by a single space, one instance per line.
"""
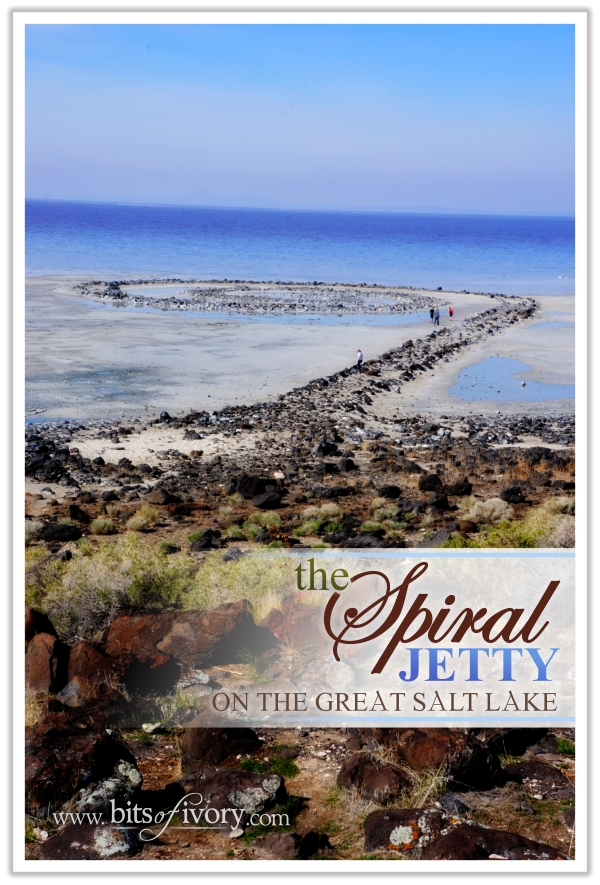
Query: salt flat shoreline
x=89 y=361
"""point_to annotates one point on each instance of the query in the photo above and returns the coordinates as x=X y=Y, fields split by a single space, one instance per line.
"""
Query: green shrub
x=252 y=529
x=145 y=517
x=565 y=747
x=276 y=765
x=269 y=518
x=311 y=527
x=196 y=535
x=330 y=509
x=66 y=520
x=235 y=533
x=103 y=526
x=82 y=596
x=236 y=498
x=492 y=511
x=275 y=544
x=334 y=526
x=370 y=526
x=150 y=513
x=377 y=503
x=33 y=527
x=260 y=577
x=387 y=512
x=543 y=526
x=137 y=523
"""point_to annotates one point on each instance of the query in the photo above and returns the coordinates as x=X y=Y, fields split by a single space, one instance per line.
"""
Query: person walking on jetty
x=359 y=359
x=450 y=312
x=431 y=314
x=436 y=317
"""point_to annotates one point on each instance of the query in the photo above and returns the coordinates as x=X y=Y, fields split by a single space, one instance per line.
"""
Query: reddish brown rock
x=472 y=842
x=79 y=690
x=204 y=747
x=88 y=662
x=289 y=846
x=372 y=778
x=272 y=621
x=194 y=639
x=466 y=526
x=466 y=762
x=36 y=622
x=46 y=662
x=299 y=622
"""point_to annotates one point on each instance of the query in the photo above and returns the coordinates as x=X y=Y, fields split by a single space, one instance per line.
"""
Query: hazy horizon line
x=450 y=212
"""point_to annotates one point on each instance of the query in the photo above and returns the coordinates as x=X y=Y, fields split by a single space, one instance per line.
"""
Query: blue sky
x=459 y=118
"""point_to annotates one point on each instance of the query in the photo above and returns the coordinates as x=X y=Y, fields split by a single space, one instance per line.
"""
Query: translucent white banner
x=388 y=638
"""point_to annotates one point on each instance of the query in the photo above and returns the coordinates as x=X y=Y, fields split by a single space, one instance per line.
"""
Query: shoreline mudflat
x=90 y=360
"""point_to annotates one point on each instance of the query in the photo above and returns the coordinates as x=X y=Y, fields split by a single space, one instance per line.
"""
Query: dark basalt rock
x=472 y=842
x=513 y=495
x=402 y=829
x=90 y=842
x=230 y=788
x=68 y=751
x=372 y=778
x=59 y=532
x=370 y=540
x=541 y=779
x=430 y=482
x=267 y=501
x=205 y=747
x=289 y=846
x=392 y=492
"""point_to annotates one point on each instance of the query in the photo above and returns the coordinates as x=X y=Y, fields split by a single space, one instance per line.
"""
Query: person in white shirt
x=359 y=359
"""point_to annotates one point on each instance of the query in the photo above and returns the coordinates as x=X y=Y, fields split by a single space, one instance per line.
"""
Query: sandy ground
x=549 y=351
x=86 y=360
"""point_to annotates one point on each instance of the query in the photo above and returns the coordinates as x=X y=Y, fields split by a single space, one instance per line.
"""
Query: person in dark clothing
x=436 y=317
x=431 y=314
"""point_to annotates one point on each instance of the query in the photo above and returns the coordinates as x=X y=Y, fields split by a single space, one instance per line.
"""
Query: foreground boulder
x=193 y=639
x=510 y=741
x=248 y=791
x=291 y=846
x=205 y=747
x=472 y=842
x=403 y=829
x=120 y=788
x=46 y=663
x=65 y=753
x=461 y=758
x=36 y=622
x=59 y=533
x=297 y=623
x=544 y=781
x=372 y=778
x=89 y=842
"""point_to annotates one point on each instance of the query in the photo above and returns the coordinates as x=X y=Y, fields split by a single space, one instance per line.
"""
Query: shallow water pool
x=500 y=378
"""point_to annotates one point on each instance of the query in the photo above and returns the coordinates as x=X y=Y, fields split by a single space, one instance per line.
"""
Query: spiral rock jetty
x=263 y=298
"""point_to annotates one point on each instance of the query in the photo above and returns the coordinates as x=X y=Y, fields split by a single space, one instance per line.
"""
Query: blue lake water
x=512 y=255
x=499 y=378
